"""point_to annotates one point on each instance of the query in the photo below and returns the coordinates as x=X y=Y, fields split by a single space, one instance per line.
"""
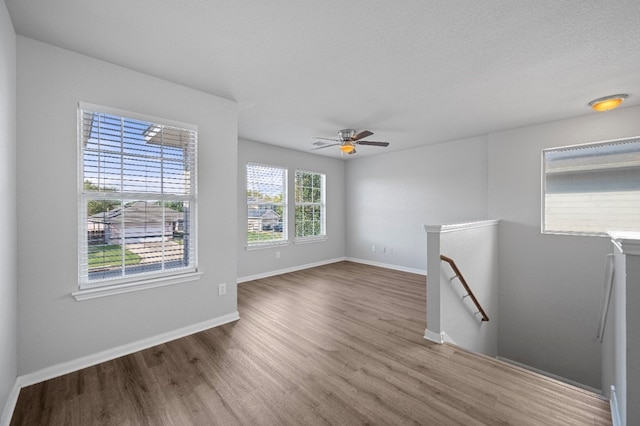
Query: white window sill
x=266 y=245
x=110 y=290
x=311 y=240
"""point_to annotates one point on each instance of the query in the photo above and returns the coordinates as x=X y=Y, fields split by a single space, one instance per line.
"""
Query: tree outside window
x=310 y=205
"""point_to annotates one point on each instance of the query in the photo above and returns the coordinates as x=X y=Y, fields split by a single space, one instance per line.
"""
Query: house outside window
x=266 y=205
x=310 y=206
x=137 y=193
x=591 y=189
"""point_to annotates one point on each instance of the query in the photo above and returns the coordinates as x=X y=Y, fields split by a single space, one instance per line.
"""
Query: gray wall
x=550 y=285
x=475 y=251
x=261 y=262
x=52 y=327
x=390 y=196
x=8 y=260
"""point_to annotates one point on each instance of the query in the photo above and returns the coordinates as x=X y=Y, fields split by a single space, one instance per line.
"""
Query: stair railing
x=606 y=296
x=470 y=294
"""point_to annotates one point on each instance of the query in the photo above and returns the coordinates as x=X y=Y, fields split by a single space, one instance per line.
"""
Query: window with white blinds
x=310 y=205
x=137 y=197
x=266 y=205
x=592 y=189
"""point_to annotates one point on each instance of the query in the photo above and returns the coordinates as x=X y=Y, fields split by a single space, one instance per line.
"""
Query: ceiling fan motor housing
x=346 y=134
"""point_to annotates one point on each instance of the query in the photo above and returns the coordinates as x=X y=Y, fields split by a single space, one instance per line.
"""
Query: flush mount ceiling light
x=608 y=102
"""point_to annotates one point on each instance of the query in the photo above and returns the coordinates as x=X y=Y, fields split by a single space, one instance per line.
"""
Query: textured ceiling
x=414 y=72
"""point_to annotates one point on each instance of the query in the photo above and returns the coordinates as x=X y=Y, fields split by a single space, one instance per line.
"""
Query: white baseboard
x=113 y=353
x=432 y=336
x=551 y=375
x=10 y=405
x=288 y=270
x=387 y=266
x=327 y=262
x=439 y=338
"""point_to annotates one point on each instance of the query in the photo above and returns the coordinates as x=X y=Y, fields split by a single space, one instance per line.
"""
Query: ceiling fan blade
x=362 y=134
x=373 y=143
x=325 y=146
x=327 y=139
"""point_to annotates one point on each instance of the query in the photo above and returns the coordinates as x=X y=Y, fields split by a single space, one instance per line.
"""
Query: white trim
x=550 y=375
x=615 y=410
x=387 y=266
x=10 y=405
x=447 y=339
x=433 y=336
x=93 y=293
x=287 y=270
x=86 y=106
x=626 y=242
x=266 y=245
x=439 y=338
x=454 y=227
x=129 y=348
x=591 y=144
x=327 y=262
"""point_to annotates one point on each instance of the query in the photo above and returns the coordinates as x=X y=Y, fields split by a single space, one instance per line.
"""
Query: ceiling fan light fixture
x=608 y=102
x=347 y=148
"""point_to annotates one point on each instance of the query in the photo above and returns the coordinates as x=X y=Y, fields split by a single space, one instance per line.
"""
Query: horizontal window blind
x=266 y=204
x=310 y=204
x=593 y=188
x=137 y=197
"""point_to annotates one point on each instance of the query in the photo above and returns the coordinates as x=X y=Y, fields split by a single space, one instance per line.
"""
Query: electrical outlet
x=373 y=249
x=222 y=289
x=277 y=255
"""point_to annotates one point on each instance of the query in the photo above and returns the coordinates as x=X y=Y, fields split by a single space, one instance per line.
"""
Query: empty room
x=292 y=213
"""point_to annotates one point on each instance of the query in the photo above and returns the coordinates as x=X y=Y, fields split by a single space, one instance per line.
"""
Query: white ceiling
x=414 y=72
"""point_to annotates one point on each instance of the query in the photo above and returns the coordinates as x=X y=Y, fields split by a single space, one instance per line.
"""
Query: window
x=593 y=188
x=266 y=205
x=137 y=197
x=310 y=205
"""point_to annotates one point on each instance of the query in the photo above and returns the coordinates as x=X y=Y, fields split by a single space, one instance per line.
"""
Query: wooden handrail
x=466 y=286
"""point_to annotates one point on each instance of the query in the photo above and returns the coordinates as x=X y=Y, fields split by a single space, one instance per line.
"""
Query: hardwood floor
x=338 y=344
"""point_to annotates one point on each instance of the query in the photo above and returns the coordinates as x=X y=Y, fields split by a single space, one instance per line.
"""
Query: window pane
x=137 y=188
x=266 y=204
x=592 y=189
x=138 y=238
x=310 y=204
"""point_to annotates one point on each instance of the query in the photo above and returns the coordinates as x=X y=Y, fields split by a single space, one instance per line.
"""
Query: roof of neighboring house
x=140 y=211
x=262 y=214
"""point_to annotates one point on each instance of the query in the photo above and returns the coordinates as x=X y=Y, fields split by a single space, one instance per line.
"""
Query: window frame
x=322 y=236
x=89 y=288
x=284 y=204
x=545 y=229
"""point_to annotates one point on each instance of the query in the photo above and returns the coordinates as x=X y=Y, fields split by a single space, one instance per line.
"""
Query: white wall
x=261 y=262
x=8 y=245
x=621 y=342
x=475 y=251
x=550 y=285
x=390 y=197
x=52 y=327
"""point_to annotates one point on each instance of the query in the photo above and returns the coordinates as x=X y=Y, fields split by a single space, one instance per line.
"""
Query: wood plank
x=337 y=344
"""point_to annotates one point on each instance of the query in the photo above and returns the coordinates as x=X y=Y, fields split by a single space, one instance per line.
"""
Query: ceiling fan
x=348 y=139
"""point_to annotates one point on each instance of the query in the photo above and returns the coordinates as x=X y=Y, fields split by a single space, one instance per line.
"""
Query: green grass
x=260 y=236
x=109 y=256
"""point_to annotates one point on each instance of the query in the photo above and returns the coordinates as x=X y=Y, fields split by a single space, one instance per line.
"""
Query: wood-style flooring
x=340 y=344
